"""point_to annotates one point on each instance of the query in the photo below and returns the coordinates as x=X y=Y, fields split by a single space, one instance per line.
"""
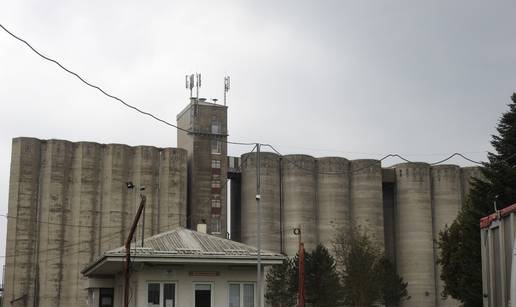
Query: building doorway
x=202 y=295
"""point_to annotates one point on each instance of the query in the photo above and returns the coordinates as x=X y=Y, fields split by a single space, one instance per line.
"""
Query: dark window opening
x=106 y=297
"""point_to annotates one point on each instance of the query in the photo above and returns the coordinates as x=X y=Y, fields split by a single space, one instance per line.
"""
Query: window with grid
x=215 y=125
x=215 y=203
x=241 y=295
x=161 y=294
x=215 y=224
x=216 y=147
x=215 y=163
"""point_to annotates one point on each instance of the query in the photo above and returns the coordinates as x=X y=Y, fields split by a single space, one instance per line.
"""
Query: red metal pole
x=301 y=289
x=127 y=276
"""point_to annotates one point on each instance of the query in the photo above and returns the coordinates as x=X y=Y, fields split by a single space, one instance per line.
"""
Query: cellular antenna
x=197 y=83
x=226 y=87
x=189 y=83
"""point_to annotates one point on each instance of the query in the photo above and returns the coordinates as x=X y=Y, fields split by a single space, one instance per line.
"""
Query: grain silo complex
x=69 y=202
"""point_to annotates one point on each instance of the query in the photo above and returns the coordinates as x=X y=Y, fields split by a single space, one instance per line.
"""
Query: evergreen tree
x=459 y=244
x=280 y=292
x=322 y=285
x=358 y=258
x=394 y=290
x=367 y=275
x=323 y=288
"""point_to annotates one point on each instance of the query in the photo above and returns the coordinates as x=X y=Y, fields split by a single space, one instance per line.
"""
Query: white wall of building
x=184 y=278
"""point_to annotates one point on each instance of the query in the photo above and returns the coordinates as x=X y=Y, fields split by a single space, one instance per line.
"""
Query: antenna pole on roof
x=197 y=83
x=226 y=87
x=190 y=84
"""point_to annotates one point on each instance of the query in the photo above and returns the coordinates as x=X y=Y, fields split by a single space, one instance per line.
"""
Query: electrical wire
x=115 y=97
x=337 y=173
x=372 y=164
x=455 y=155
x=175 y=126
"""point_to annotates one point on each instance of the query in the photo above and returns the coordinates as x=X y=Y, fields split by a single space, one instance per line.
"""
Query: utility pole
x=258 y=228
x=301 y=282
x=127 y=275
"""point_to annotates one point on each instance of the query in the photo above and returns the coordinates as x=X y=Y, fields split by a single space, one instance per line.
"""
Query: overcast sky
x=358 y=79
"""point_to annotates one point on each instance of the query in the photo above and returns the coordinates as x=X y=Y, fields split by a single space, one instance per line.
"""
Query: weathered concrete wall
x=299 y=195
x=414 y=233
x=447 y=200
x=367 y=198
x=270 y=201
x=20 y=268
x=333 y=198
x=468 y=173
x=68 y=203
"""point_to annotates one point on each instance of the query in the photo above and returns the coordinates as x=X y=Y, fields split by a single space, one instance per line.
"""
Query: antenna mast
x=197 y=83
x=226 y=87
x=191 y=81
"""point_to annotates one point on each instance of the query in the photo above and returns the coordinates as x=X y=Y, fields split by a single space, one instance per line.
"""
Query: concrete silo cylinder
x=414 y=233
x=269 y=202
x=333 y=199
x=299 y=196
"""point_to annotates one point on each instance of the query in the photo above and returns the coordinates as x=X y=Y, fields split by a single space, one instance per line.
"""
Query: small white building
x=179 y=268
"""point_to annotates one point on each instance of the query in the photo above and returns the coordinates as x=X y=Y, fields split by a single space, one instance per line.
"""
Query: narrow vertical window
x=153 y=295
x=169 y=295
x=215 y=224
x=215 y=125
x=234 y=295
x=248 y=295
x=216 y=147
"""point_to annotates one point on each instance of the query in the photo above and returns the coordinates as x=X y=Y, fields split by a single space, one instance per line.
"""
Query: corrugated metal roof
x=182 y=241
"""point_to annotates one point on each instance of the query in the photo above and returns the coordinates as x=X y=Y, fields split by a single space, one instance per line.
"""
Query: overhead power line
x=370 y=165
x=110 y=95
x=186 y=130
x=457 y=154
